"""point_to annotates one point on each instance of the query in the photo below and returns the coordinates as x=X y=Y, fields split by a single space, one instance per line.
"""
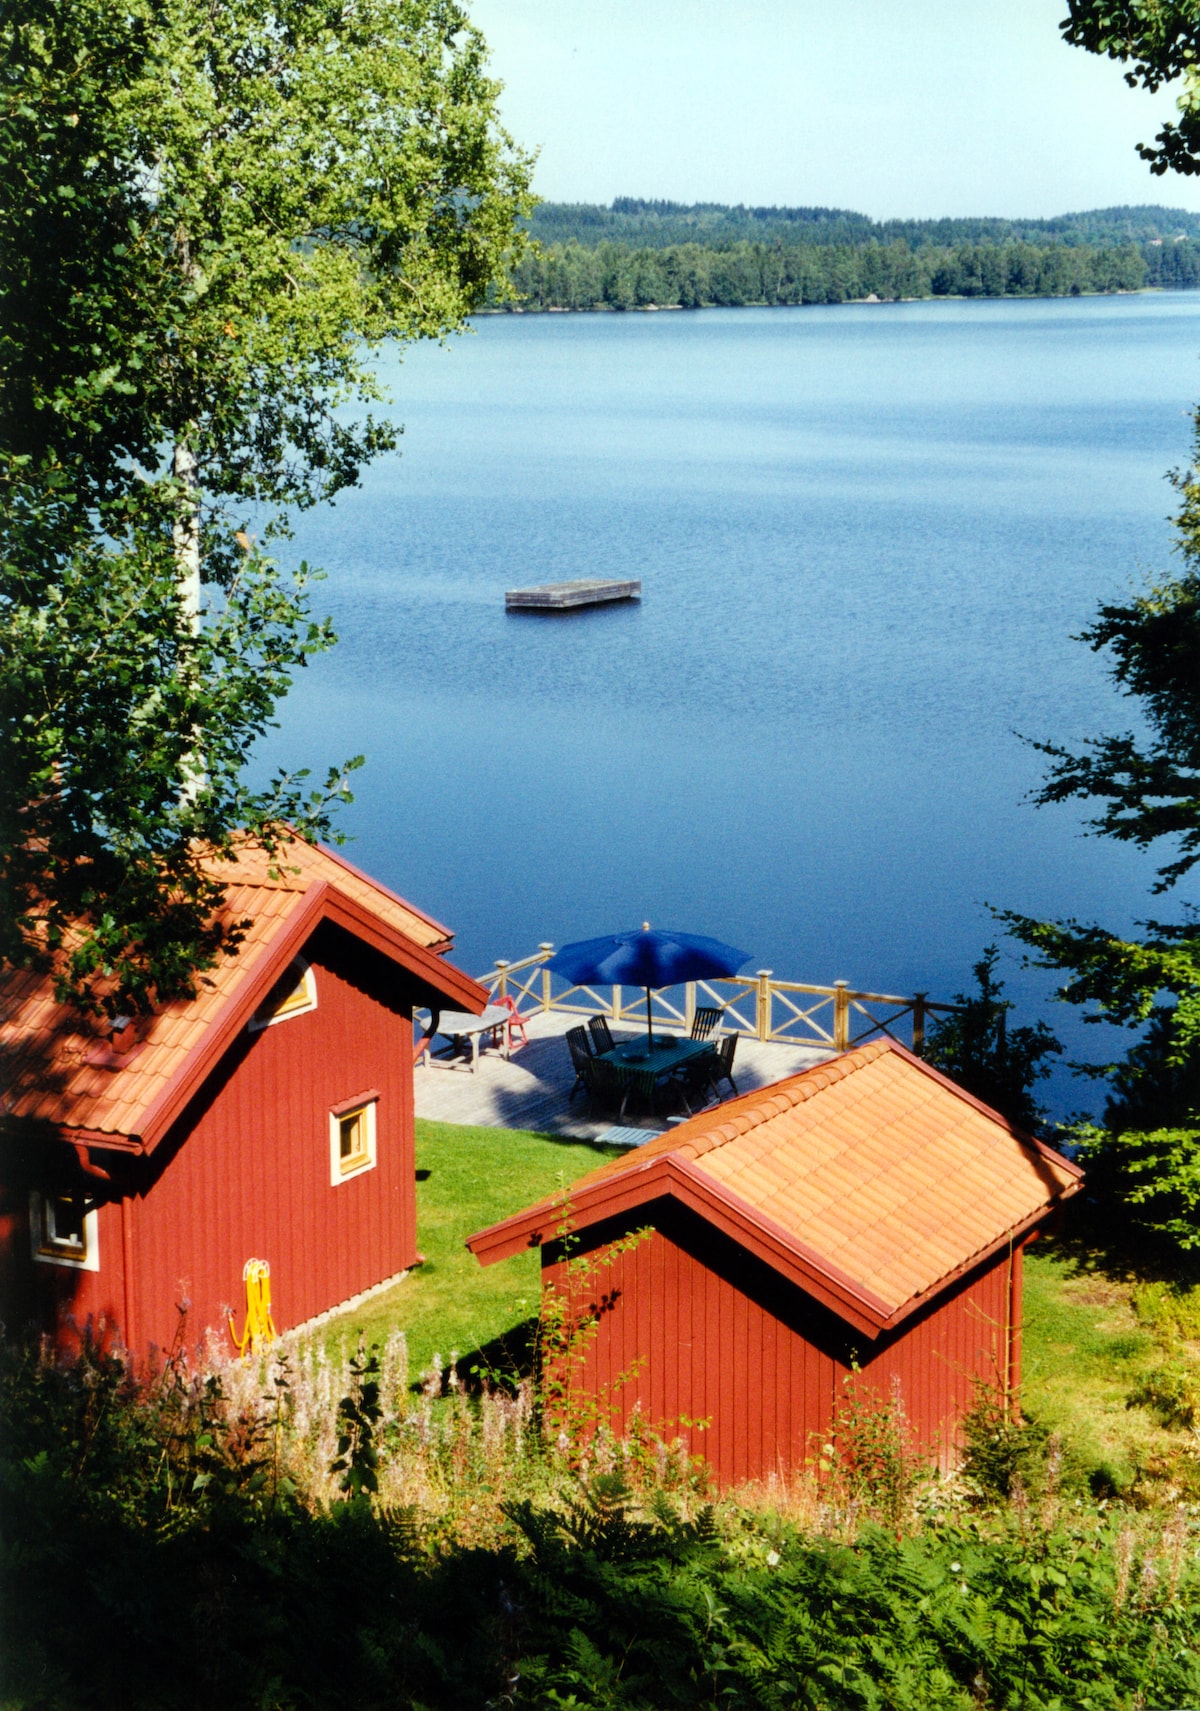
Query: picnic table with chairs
x=669 y=1068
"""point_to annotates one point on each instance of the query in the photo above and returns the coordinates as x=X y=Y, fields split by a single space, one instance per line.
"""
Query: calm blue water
x=866 y=537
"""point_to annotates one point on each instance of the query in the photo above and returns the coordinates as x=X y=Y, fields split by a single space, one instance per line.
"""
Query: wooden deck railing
x=758 y=1005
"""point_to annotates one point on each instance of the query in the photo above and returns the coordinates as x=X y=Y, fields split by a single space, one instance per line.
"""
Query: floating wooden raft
x=557 y=596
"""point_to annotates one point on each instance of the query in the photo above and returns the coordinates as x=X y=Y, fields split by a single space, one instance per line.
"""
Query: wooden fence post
x=616 y=1009
x=689 y=1006
x=841 y=1016
x=919 y=1023
x=762 y=1004
x=546 y=1001
x=501 y=977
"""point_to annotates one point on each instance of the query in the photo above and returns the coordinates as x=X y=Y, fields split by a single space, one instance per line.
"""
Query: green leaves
x=976 y=1047
x=1160 y=41
x=359 y=1415
x=209 y=216
x=1144 y=1159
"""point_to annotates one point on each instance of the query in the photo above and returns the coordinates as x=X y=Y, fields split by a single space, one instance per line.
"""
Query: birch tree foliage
x=1159 y=41
x=210 y=218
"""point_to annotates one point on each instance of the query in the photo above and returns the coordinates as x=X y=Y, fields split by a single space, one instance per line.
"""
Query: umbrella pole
x=649 y=1022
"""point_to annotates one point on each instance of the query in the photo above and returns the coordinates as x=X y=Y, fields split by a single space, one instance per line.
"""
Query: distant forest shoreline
x=665 y=255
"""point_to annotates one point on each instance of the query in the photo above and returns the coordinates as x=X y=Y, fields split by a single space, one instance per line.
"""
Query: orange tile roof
x=873 y=1164
x=55 y=1065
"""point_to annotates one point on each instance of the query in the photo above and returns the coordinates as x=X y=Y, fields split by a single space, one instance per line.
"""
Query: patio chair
x=705 y=1020
x=695 y=1081
x=722 y=1070
x=513 y=1024
x=581 y=1057
x=603 y=1083
x=602 y=1040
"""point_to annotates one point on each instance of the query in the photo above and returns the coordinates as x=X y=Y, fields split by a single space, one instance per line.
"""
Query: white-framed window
x=294 y=993
x=352 y=1137
x=64 y=1230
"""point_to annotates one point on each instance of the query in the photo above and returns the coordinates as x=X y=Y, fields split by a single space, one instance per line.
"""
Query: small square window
x=352 y=1137
x=63 y=1230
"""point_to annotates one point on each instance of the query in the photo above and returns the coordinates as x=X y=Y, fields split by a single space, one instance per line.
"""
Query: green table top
x=634 y=1058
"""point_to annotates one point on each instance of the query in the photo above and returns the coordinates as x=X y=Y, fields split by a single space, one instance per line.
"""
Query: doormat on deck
x=624 y=1137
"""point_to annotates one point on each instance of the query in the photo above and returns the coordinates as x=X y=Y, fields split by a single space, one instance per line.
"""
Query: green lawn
x=1084 y=1351
x=466 y=1179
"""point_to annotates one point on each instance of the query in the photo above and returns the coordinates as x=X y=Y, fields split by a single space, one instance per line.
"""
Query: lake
x=866 y=536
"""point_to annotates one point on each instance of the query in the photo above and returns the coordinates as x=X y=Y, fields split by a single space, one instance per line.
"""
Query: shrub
x=1171 y=1392
x=1003 y=1449
x=871 y=1461
x=487 y=1571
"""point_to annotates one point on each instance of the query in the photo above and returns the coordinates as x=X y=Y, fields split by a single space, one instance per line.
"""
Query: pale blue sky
x=942 y=107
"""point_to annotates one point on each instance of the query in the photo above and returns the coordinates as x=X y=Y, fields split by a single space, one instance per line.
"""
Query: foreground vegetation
x=328 y=1527
x=299 y=1535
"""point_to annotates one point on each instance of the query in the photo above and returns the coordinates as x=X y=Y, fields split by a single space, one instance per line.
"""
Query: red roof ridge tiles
x=701 y=1134
x=873 y=1166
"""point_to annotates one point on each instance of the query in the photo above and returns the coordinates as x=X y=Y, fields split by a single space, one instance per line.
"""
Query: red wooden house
x=867 y=1212
x=270 y=1118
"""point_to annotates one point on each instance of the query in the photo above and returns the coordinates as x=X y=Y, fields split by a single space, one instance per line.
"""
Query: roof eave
x=670 y=1174
x=321 y=902
x=1011 y=1238
x=441 y=979
x=446 y=940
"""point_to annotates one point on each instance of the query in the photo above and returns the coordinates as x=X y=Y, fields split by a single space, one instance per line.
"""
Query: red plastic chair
x=514 y=1022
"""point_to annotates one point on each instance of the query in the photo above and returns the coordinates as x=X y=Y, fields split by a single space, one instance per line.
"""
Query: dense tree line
x=1172 y=266
x=658 y=225
x=691 y=276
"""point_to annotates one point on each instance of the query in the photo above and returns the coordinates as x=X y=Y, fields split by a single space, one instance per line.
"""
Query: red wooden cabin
x=867 y=1212
x=270 y=1118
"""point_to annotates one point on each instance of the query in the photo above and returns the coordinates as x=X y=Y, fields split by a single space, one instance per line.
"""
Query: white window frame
x=42 y=1235
x=339 y=1170
x=304 y=978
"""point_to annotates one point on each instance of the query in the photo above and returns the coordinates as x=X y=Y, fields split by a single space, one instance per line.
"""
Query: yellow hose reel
x=259 y=1329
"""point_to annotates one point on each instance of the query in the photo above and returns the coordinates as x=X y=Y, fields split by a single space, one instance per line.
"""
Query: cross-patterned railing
x=757 y=1005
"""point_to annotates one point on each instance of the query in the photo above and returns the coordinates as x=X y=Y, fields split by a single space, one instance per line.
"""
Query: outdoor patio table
x=640 y=1066
x=462 y=1025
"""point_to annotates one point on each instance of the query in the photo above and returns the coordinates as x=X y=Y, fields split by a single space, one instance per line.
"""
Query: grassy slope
x=1084 y=1350
x=466 y=1179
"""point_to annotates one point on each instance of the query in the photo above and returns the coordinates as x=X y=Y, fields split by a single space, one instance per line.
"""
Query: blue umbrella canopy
x=648 y=957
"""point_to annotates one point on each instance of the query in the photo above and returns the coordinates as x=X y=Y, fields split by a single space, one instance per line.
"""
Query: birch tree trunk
x=185 y=536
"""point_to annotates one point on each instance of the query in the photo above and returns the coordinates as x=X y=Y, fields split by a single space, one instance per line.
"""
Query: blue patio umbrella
x=650 y=957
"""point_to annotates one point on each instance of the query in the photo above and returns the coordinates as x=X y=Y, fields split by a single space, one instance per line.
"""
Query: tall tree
x=1147 y=1152
x=211 y=215
x=978 y=1048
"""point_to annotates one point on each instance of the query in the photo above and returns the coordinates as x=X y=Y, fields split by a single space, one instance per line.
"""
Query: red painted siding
x=248 y=1174
x=48 y=1295
x=707 y=1334
x=245 y=1174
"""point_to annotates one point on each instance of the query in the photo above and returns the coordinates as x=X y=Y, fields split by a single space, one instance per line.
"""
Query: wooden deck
x=531 y=1090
